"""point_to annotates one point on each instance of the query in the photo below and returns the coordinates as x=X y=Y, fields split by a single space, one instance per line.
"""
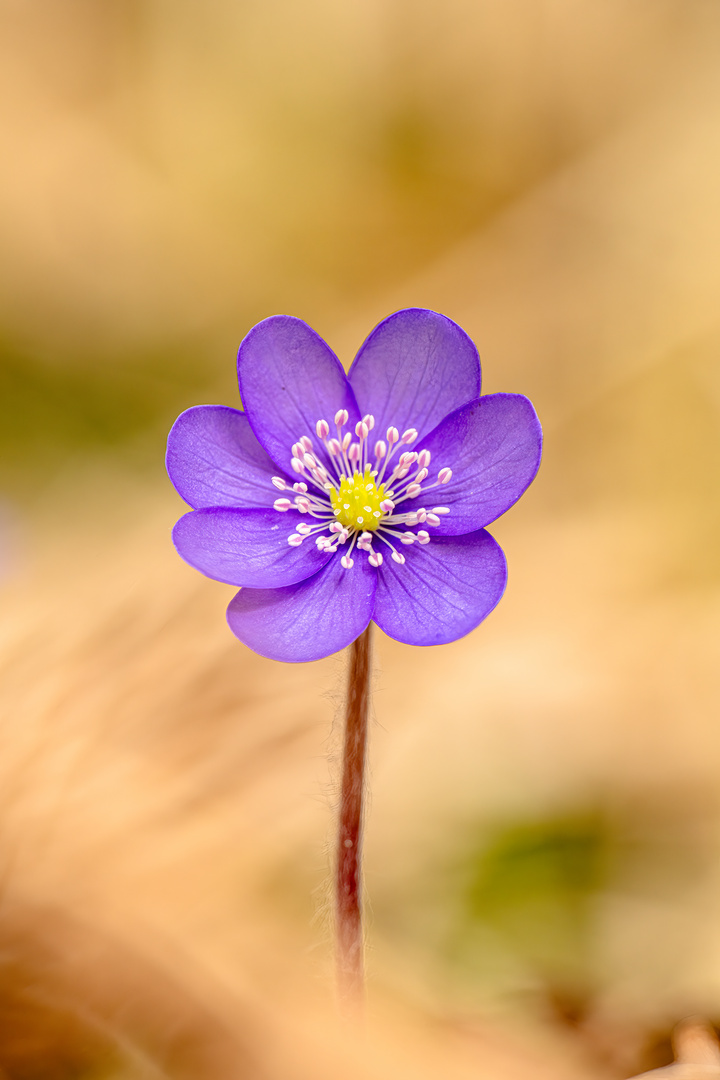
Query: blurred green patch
x=536 y=884
x=55 y=411
x=530 y=904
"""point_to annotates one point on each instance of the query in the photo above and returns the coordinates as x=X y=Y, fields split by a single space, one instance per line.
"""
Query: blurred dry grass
x=542 y=845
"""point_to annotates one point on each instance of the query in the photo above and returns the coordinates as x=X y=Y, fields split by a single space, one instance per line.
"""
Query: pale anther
x=347 y=562
x=282 y=505
x=307 y=442
x=398 y=557
x=441 y=509
x=362 y=430
x=424 y=459
x=334 y=447
x=341 y=417
x=410 y=435
x=347 y=439
x=279 y=483
x=297 y=465
x=423 y=537
x=413 y=490
x=445 y=476
x=433 y=519
x=392 y=435
x=322 y=429
x=295 y=540
x=300 y=487
x=380 y=449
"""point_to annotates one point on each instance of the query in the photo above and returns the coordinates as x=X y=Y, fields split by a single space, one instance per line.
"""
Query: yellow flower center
x=357 y=502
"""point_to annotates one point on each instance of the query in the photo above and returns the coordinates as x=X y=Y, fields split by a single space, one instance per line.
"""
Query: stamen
x=368 y=510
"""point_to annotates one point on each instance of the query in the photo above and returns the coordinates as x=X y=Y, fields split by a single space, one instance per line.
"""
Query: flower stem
x=348 y=881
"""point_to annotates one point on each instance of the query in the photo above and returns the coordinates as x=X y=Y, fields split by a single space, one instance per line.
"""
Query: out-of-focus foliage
x=172 y=172
x=537 y=884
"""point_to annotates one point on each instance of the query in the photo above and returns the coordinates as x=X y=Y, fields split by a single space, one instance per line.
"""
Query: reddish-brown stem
x=348 y=881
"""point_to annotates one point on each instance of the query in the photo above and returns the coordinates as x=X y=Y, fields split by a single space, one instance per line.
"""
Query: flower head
x=333 y=500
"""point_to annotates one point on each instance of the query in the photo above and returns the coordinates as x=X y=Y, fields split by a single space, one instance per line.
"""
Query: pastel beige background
x=542 y=837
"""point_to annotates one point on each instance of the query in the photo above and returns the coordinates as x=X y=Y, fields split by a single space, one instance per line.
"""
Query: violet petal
x=213 y=459
x=289 y=379
x=493 y=447
x=414 y=368
x=310 y=620
x=442 y=591
x=247 y=547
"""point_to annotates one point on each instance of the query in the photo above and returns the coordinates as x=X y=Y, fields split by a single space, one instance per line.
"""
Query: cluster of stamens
x=356 y=499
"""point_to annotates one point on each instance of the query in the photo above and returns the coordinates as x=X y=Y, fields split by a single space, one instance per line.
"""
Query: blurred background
x=543 y=835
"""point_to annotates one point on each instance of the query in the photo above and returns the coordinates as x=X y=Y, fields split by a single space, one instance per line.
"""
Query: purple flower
x=333 y=500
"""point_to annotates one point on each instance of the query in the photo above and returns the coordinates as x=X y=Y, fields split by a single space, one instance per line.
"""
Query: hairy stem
x=348 y=881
